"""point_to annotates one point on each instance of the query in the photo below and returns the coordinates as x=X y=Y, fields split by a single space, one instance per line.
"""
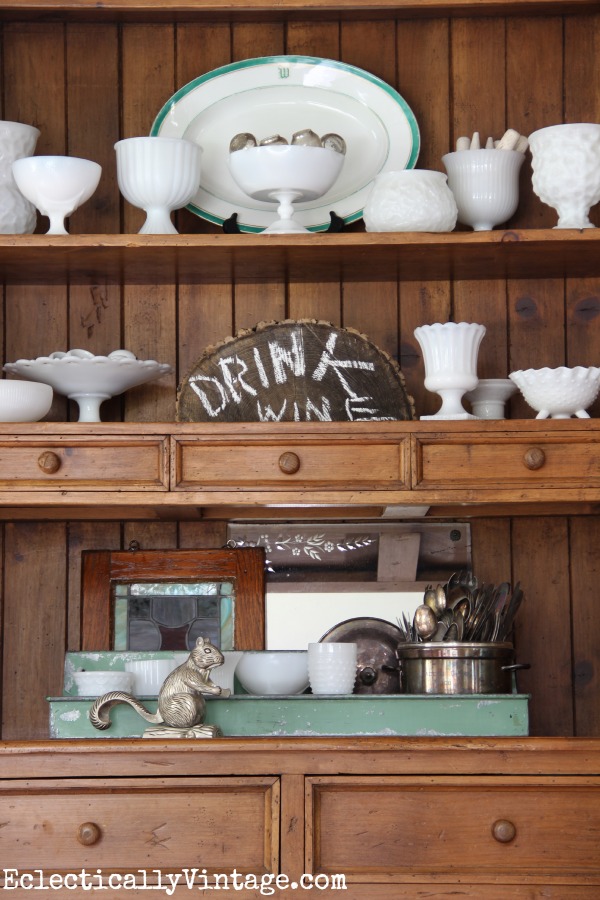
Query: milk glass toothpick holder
x=450 y=352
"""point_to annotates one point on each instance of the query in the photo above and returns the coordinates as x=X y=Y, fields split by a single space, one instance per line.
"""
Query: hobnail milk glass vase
x=450 y=352
x=566 y=170
x=17 y=214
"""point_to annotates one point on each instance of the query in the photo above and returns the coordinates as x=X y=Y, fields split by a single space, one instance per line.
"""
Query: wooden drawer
x=392 y=828
x=87 y=463
x=254 y=464
x=505 y=461
x=213 y=823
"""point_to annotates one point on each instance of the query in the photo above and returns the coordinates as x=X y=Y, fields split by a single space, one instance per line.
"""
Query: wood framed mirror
x=164 y=599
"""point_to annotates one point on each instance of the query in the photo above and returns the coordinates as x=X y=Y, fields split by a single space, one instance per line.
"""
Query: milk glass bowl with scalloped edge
x=89 y=379
x=56 y=185
x=559 y=393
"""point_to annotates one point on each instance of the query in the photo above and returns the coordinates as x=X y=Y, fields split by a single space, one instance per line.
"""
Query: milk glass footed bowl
x=566 y=170
x=559 y=393
x=285 y=174
x=485 y=184
x=56 y=185
x=450 y=351
x=410 y=200
x=158 y=175
x=89 y=379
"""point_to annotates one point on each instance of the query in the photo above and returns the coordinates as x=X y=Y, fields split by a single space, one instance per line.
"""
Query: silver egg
x=334 y=142
x=306 y=138
x=274 y=139
x=242 y=141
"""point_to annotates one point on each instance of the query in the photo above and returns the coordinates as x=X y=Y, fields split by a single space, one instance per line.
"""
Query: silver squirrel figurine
x=181 y=704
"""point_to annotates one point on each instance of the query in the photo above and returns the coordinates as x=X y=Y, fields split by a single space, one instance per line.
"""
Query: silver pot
x=457 y=668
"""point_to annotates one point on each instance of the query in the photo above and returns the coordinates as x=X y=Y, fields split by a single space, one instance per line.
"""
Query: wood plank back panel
x=457 y=76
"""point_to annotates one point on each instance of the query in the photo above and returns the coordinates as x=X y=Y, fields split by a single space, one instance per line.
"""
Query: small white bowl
x=24 y=401
x=559 y=393
x=273 y=672
x=94 y=684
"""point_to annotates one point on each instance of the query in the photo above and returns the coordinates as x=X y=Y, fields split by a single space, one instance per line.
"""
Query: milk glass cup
x=332 y=667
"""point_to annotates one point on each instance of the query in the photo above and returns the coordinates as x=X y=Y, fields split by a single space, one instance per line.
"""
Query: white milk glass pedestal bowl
x=566 y=170
x=17 y=213
x=89 y=379
x=158 y=175
x=559 y=393
x=56 y=185
x=489 y=397
x=485 y=184
x=285 y=174
x=450 y=355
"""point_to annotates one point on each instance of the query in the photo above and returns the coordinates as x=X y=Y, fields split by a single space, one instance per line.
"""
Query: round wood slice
x=294 y=372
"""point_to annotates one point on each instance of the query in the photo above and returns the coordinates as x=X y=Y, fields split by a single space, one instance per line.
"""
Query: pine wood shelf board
x=253 y=258
x=319 y=756
x=253 y=10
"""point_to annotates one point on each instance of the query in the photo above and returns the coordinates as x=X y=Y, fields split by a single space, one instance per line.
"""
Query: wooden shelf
x=222 y=258
x=189 y=10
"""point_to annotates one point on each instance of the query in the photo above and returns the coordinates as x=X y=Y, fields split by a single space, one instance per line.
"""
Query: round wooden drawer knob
x=289 y=463
x=49 y=462
x=534 y=458
x=504 y=831
x=89 y=833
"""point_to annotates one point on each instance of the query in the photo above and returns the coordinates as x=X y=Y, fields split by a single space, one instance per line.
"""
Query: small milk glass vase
x=18 y=215
x=566 y=170
x=450 y=355
x=485 y=184
x=410 y=200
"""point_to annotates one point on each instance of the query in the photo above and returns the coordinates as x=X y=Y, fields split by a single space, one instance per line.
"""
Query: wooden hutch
x=401 y=818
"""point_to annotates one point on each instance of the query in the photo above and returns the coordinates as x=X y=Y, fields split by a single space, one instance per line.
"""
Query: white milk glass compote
x=566 y=170
x=56 y=185
x=158 y=175
x=285 y=174
x=485 y=184
x=450 y=352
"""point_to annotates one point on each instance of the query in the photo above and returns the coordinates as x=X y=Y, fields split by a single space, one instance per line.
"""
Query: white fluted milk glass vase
x=450 y=351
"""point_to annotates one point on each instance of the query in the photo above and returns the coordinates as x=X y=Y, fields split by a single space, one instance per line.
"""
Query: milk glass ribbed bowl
x=559 y=393
x=24 y=401
x=89 y=379
x=566 y=170
x=485 y=184
x=158 y=175
x=56 y=185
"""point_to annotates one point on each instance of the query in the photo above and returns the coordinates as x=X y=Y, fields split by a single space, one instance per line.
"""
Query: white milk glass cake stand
x=89 y=379
x=285 y=174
